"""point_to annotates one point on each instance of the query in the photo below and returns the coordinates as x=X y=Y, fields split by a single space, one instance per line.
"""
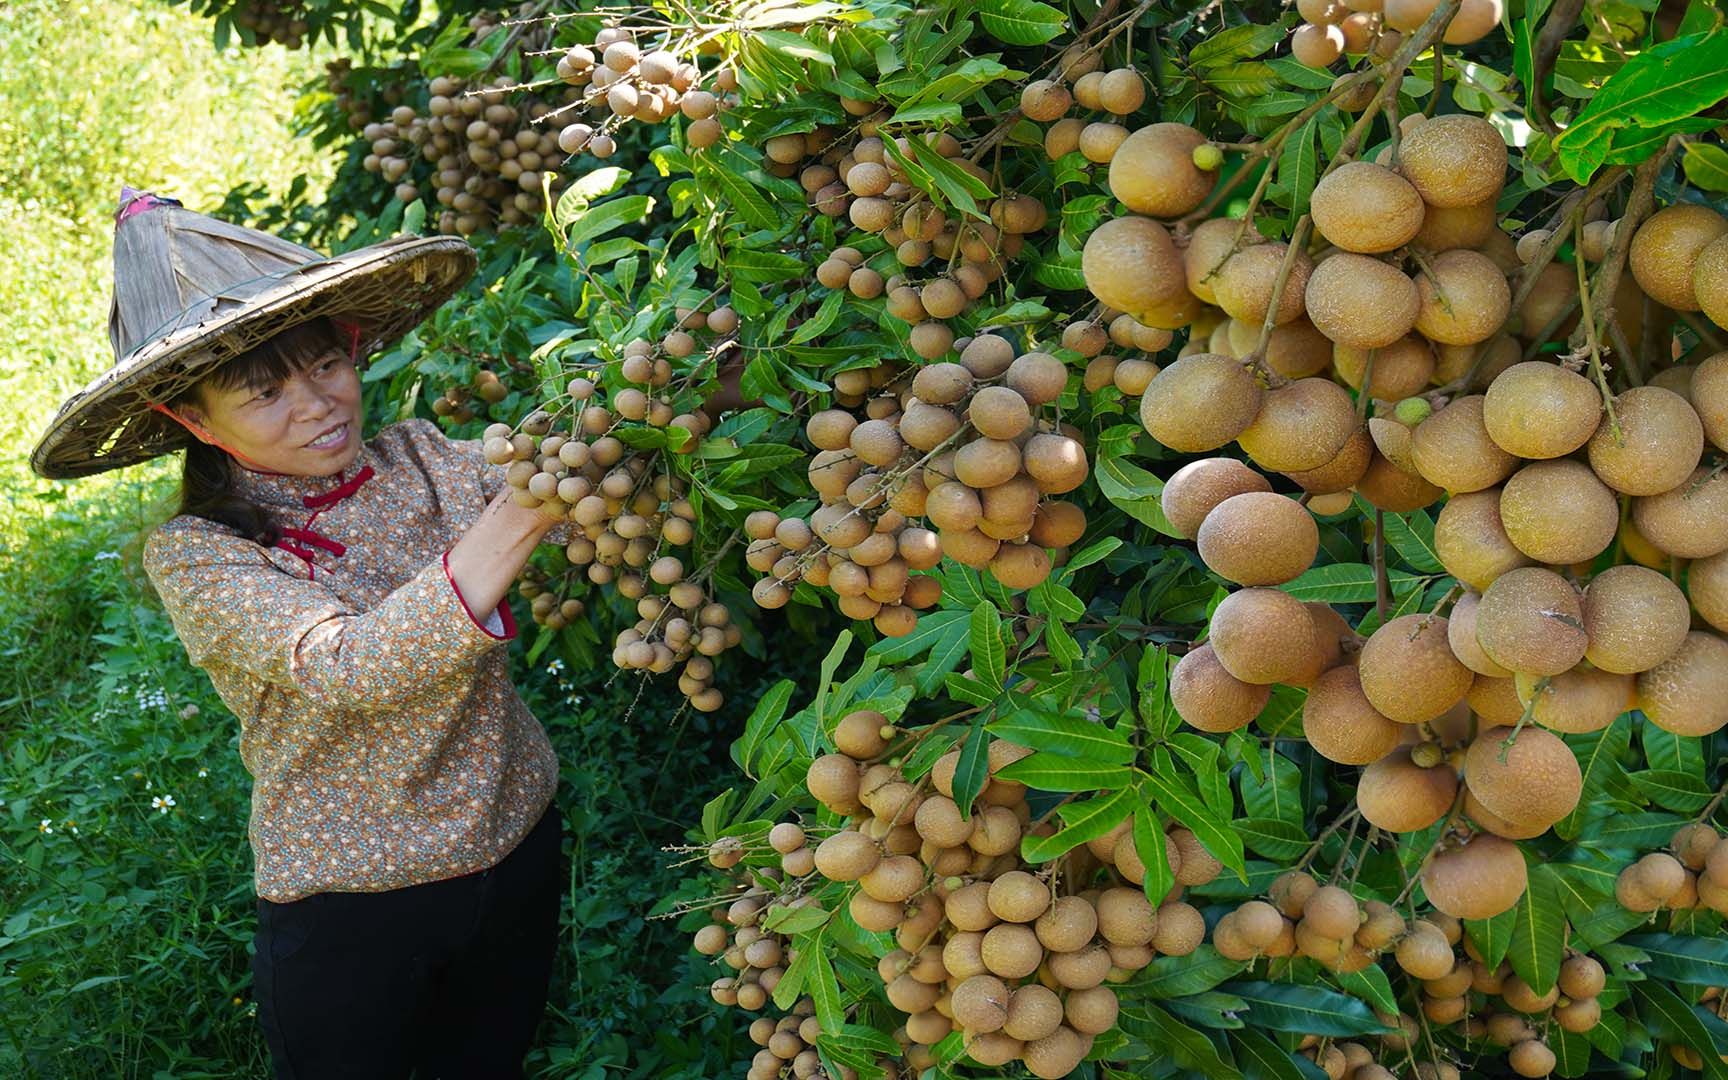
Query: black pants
x=443 y=981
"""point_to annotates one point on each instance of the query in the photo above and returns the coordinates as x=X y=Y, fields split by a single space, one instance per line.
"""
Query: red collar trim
x=340 y=491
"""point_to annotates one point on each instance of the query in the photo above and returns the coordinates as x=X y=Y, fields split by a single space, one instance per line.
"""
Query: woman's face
x=305 y=425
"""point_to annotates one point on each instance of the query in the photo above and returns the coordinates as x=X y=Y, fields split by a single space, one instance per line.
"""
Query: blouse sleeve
x=231 y=605
x=492 y=479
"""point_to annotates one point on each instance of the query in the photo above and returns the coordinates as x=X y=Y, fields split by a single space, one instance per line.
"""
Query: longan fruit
x=1477 y=880
x=1363 y=207
x=833 y=780
x=1454 y=160
x=1581 y=977
x=1301 y=425
x=1245 y=284
x=1153 y=173
x=1034 y=1011
x=1531 y=620
x=1067 y=924
x=1199 y=403
x=1099 y=141
x=1461 y=636
x=1011 y=950
x=1056 y=462
x=1401 y=369
x=1541 y=410
x=1256 y=633
x=1557 y=512
x=1045 y=100
x=1691 y=520
x=1425 y=953
x=941 y=383
x=1195 y=489
x=1341 y=724
x=859 y=734
x=1685 y=694
x=1132 y=265
x=1448 y=227
x=1534 y=781
x=1464 y=298
x=1659 y=441
x=980 y=1004
x=1666 y=248
x=847 y=856
x=1209 y=698
x=1057 y=1054
x=1635 y=618
x=999 y=412
x=987 y=356
x=1408 y=671
x=1453 y=449
x=1258 y=538
x=1471 y=541
x=1360 y=301
x=1317 y=45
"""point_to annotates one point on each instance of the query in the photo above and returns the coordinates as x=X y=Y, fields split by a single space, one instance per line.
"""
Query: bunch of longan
x=1332 y=28
x=636 y=83
x=950 y=460
x=283 y=22
x=1695 y=875
x=1016 y=957
x=1081 y=81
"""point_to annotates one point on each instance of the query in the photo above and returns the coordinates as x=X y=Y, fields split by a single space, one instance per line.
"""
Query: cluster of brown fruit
x=488 y=158
x=1013 y=956
x=738 y=938
x=865 y=180
x=651 y=85
x=280 y=21
x=1333 y=28
x=457 y=401
x=1695 y=875
x=1081 y=81
x=1355 y=1061
x=957 y=445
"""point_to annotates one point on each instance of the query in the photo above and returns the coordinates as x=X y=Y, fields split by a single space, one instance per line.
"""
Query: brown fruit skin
x=1257 y=635
x=1452 y=448
x=1495 y=700
x=1532 y=1058
x=1687 y=693
x=1707 y=587
x=1153 y=171
x=1661 y=441
x=1341 y=725
x=1496 y=824
x=1464 y=301
x=1199 y=486
x=1401 y=369
x=1454 y=160
x=1399 y=796
x=1300 y=426
x=1244 y=286
x=1445 y=228
x=1360 y=301
x=1541 y=410
x=1461 y=636
x=1342 y=472
x=1132 y=265
x=1636 y=618
x=1557 y=512
x=1690 y=521
x=1666 y=248
x=1538 y=783
x=1408 y=671
x=1478 y=880
x=1209 y=698
x=1199 y=403
x=1389 y=488
x=1577 y=701
x=1366 y=208
x=1531 y=620
x=1258 y=538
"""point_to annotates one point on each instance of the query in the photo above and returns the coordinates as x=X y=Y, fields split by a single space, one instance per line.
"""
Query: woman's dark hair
x=206 y=481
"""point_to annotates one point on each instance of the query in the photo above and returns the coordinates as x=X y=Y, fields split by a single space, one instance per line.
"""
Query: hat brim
x=386 y=288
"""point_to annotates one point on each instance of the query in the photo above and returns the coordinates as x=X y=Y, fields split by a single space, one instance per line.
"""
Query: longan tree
x=1248 y=481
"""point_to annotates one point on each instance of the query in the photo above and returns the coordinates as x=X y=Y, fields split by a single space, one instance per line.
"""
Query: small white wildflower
x=555 y=665
x=46 y=825
x=203 y=772
x=162 y=803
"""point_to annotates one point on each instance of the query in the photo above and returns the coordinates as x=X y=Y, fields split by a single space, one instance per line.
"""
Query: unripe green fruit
x=1412 y=411
x=1207 y=157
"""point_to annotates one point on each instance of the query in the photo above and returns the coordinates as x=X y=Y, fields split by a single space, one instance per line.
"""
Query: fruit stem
x=1451 y=595
x=1639 y=204
x=1314 y=849
x=1363 y=395
x=1344 y=855
x=1410 y=880
x=1298 y=241
x=1511 y=740
x=1710 y=807
x=1590 y=331
x=1382 y=584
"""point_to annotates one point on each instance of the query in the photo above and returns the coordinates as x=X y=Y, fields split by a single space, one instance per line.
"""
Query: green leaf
x=794 y=920
x=824 y=988
x=1412 y=536
x=1097 y=551
x=1371 y=985
x=1598 y=755
x=1299 y=166
x=1277 y=793
x=1571 y=1052
x=1657 y=93
x=1238 y=43
x=1048 y=771
x=1149 y=844
x=740 y=194
x=989 y=655
x=1666 y=1014
x=769 y=711
x=1182 y=803
x=1071 y=735
x=1492 y=937
x=1180 y=976
x=1309 y=1010
x=1050 y=598
x=1671 y=790
x=1683 y=958
x=973 y=768
x=602 y=219
x=1271 y=837
x=1134 y=490
x=1538 y=931
x=830 y=664
x=1635 y=831
x=1342 y=583
x=1262 y=1059
x=1081 y=822
x=960 y=188
x=1020 y=22
x=1152 y=691
x=1184 y=1043
x=925 y=637
x=1664 y=749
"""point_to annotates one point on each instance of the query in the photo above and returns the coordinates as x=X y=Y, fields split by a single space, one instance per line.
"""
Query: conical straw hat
x=191 y=292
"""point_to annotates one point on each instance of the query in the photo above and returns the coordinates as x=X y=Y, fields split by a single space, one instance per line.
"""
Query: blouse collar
x=283 y=491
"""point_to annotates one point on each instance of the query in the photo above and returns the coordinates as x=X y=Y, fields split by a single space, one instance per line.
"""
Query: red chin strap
x=352 y=329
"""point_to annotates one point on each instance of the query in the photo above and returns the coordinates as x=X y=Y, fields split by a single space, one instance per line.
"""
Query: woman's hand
x=494 y=549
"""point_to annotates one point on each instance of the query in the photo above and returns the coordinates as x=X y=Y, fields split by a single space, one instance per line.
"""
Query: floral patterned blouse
x=387 y=744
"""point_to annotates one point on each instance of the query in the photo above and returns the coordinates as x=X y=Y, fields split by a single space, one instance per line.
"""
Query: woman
x=347 y=599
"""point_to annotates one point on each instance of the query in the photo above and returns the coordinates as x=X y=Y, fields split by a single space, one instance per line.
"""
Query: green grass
x=124 y=930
